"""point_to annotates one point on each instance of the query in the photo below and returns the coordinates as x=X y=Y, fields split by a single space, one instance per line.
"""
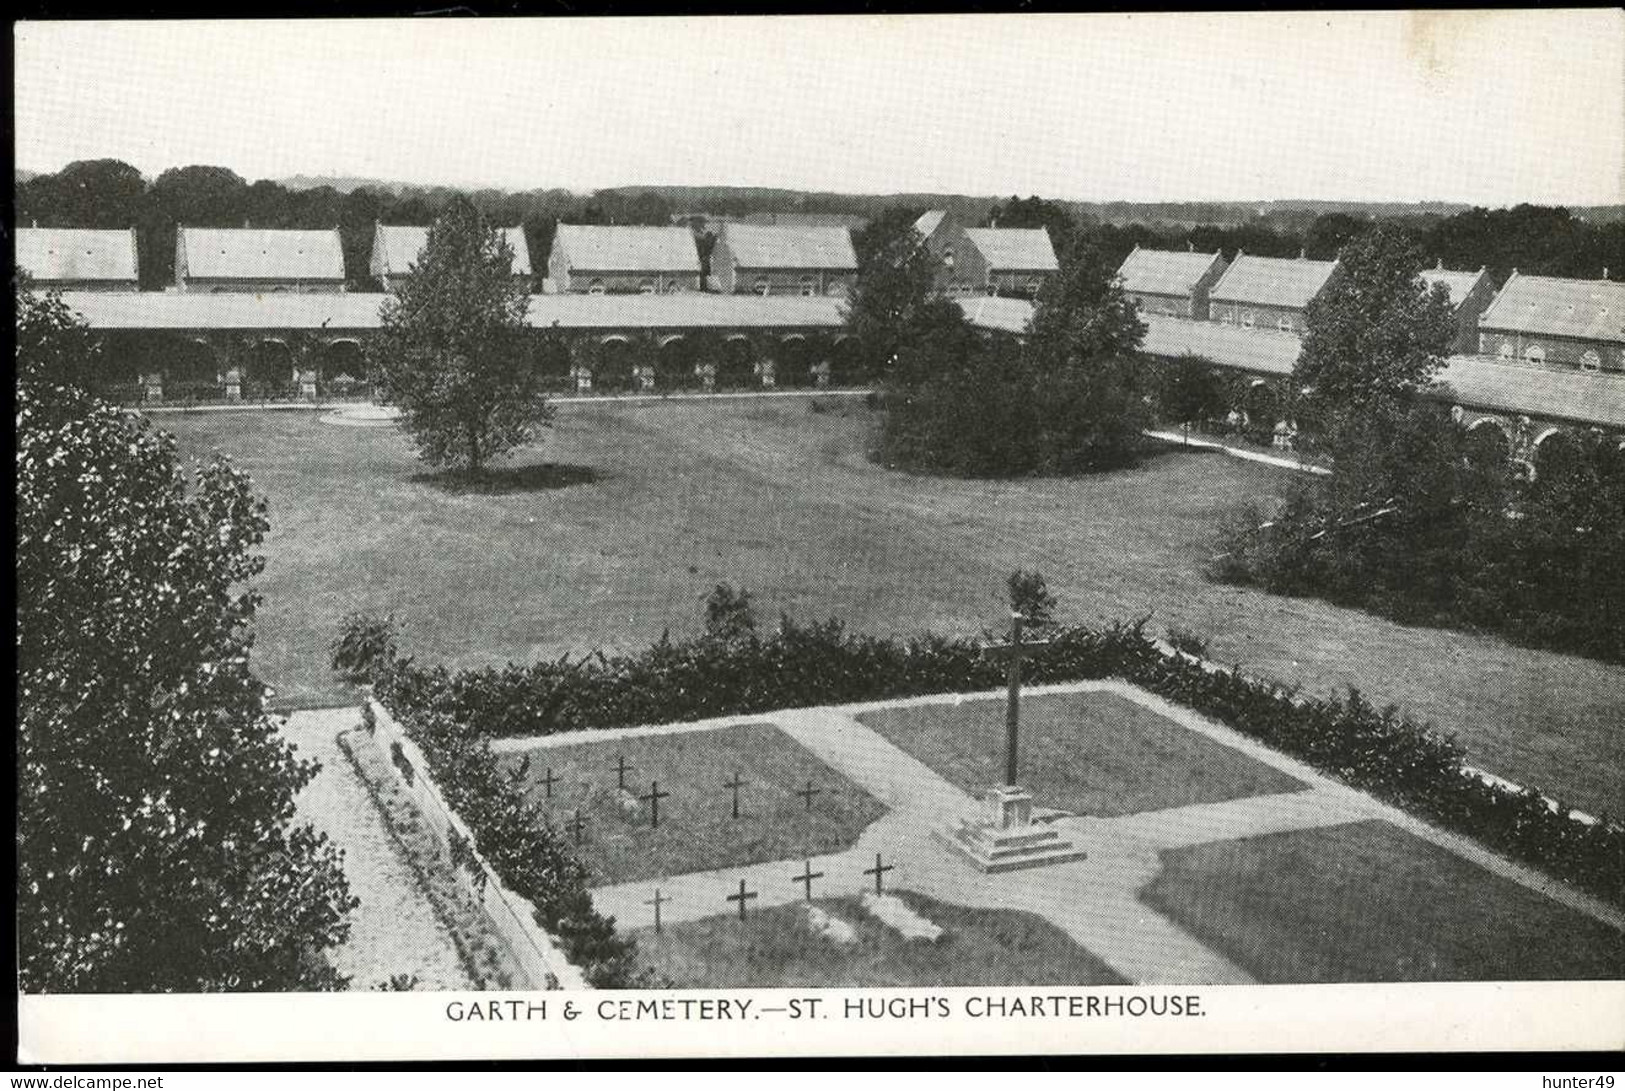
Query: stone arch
x=614 y=360
x=1556 y=454
x=1489 y=441
x=1261 y=408
x=794 y=358
x=737 y=365
x=674 y=361
x=340 y=358
x=845 y=362
x=193 y=365
x=267 y=368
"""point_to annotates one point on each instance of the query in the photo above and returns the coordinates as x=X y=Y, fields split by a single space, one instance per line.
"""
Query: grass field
x=1090 y=753
x=650 y=505
x=697 y=830
x=775 y=947
x=1370 y=902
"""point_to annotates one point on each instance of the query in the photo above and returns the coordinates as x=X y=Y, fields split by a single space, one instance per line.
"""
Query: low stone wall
x=513 y=916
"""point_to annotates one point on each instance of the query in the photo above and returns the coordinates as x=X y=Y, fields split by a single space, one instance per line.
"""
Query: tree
x=452 y=348
x=1188 y=389
x=102 y=193
x=1082 y=313
x=1376 y=333
x=896 y=276
x=1035 y=212
x=54 y=345
x=155 y=845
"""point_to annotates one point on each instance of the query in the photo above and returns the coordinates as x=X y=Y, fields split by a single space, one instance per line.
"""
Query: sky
x=1489 y=108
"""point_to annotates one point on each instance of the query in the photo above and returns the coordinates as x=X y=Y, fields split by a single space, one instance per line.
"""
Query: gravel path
x=394 y=930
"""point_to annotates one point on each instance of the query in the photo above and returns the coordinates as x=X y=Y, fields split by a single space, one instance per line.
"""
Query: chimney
x=1303 y=253
x=1439 y=267
x=1190 y=247
x=1605 y=272
x=247 y=223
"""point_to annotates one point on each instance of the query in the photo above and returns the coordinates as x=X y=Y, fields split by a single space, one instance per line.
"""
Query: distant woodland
x=108 y=193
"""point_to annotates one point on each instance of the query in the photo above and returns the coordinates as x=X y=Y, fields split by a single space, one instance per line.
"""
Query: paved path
x=1094 y=900
x=394 y=930
x=1239 y=452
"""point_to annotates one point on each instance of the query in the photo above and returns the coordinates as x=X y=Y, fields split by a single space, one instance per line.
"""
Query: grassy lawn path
x=659 y=502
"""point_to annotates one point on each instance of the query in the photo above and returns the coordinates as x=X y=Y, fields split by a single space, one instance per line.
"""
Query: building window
x=1534 y=354
x=1247 y=320
x=809 y=286
x=646 y=287
x=1507 y=349
x=834 y=287
x=763 y=287
x=673 y=288
x=1227 y=317
x=1590 y=361
x=1284 y=324
x=595 y=288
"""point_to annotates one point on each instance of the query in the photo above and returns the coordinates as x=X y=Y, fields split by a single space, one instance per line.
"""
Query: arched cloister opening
x=845 y=363
x=193 y=369
x=794 y=360
x=674 y=363
x=1488 y=444
x=612 y=369
x=341 y=367
x=1559 y=458
x=1261 y=409
x=267 y=370
x=737 y=366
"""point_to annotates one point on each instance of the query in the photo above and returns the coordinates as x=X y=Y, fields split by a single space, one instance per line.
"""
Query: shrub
x=1187 y=641
x=1030 y=597
x=728 y=614
x=363 y=645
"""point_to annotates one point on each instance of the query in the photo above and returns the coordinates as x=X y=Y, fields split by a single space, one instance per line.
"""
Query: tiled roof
x=1018 y=248
x=756 y=247
x=1488 y=385
x=213 y=253
x=69 y=253
x=1272 y=282
x=1459 y=284
x=350 y=311
x=929 y=222
x=595 y=248
x=396 y=248
x=1165 y=272
x=1557 y=306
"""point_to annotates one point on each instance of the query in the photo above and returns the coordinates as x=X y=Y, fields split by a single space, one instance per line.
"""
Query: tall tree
x=155 y=845
x=452 y=350
x=895 y=282
x=1376 y=333
x=1082 y=313
x=104 y=193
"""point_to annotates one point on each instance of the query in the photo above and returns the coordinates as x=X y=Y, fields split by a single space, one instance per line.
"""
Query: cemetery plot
x=649 y=806
x=859 y=942
x=1089 y=753
x=1369 y=902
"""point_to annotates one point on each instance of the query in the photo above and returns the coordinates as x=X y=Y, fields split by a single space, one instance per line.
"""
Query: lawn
x=1370 y=902
x=1090 y=753
x=775 y=947
x=650 y=505
x=697 y=830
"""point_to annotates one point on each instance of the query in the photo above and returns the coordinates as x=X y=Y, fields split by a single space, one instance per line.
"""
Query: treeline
x=108 y=193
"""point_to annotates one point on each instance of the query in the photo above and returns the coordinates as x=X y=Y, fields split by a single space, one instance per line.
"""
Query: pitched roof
x=1273 y=282
x=351 y=311
x=1022 y=248
x=929 y=222
x=213 y=253
x=991 y=312
x=1165 y=272
x=758 y=247
x=1558 y=306
x=1459 y=284
x=69 y=253
x=1491 y=385
x=598 y=248
x=396 y=248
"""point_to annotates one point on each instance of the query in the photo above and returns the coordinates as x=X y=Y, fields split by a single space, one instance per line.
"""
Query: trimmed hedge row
x=1376 y=750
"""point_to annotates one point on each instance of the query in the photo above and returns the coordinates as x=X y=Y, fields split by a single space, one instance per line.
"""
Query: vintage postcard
x=559 y=538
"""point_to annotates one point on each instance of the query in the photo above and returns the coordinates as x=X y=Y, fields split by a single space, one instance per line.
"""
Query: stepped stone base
x=1006 y=839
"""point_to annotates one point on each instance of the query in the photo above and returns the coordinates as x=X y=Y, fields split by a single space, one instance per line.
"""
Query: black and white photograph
x=819 y=534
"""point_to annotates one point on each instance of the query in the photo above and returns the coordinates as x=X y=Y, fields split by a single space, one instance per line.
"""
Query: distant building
x=1174 y=283
x=209 y=259
x=1556 y=320
x=759 y=260
x=71 y=259
x=1268 y=293
x=395 y=249
x=987 y=260
x=1470 y=293
x=601 y=260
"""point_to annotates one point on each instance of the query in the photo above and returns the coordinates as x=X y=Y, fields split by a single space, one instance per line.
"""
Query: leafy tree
x=895 y=280
x=452 y=349
x=1031 y=598
x=1082 y=313
x=1376 y=333
x=1039 y=213
x=155 y=796
x=102 y=193
x=1331 y=232
x=1189 y=389
x=54 y=345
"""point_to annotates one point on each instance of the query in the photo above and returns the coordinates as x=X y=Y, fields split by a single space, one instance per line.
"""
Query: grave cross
x=806 y=877
x=548 y=782
x=653 y=800
x=1012 y=653
x=736 y=783
x=741 y=898
x=807 y=794
x=657 y=901
x=877 y=871
x=577 y=825
x=621 y=769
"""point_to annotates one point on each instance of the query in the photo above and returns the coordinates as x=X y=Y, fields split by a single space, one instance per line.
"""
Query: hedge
x=1376 y=750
